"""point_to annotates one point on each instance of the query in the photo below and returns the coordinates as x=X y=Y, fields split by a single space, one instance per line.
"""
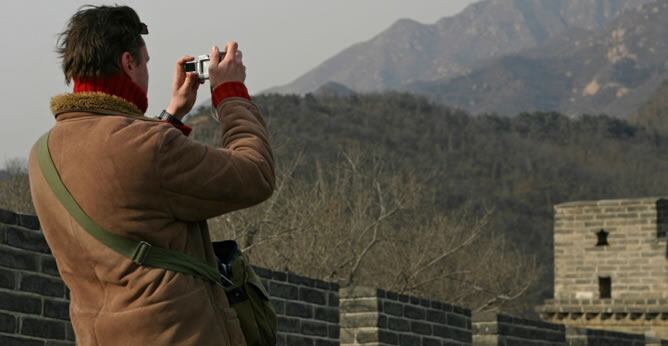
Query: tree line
x=392 y=190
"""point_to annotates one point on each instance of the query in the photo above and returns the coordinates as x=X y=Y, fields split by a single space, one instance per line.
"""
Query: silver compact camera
x=201 y=64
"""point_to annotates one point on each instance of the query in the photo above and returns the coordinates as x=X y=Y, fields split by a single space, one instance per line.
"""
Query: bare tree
x=357 y=222
x=15 y=187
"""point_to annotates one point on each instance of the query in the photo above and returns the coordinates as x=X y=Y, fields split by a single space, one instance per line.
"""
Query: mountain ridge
x=613 y=71
x=409 y=51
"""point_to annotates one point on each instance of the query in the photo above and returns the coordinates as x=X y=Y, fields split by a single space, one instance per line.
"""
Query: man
x=144 y=179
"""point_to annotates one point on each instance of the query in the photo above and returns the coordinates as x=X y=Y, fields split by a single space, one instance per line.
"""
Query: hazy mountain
x=613 y=70
x=333 y=89
x=654 y=113
x=410 y=51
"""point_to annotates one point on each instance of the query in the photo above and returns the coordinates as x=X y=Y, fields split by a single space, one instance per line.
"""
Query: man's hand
x=184 y=90
x=229 y=69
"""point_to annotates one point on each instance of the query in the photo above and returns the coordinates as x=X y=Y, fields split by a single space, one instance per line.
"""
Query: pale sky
x=281 y=40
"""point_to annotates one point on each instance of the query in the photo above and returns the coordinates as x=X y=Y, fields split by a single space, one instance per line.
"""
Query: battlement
x=610 y=265
x=34 y=310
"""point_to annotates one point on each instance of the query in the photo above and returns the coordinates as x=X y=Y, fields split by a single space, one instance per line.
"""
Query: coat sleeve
x=202 y=181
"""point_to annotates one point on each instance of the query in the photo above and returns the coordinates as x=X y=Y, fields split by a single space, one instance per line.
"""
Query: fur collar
x=93 y=102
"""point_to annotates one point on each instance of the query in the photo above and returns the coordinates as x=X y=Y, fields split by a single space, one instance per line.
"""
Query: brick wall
x=491 y=329
x=307 y=309
x=634 y=260
x=34 y=308
x=377 y=317
x=33 y=299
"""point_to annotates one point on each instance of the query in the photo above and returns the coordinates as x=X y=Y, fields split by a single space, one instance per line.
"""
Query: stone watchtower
x=611 y=267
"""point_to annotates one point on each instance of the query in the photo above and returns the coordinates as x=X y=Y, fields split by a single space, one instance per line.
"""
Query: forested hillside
x=517 y=167
x=654 y=113
x=392 y=191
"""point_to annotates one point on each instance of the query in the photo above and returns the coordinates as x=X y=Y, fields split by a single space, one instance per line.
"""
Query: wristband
x=164 y=115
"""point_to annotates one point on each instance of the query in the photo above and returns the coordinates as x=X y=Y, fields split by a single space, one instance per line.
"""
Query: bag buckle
x=141 y=252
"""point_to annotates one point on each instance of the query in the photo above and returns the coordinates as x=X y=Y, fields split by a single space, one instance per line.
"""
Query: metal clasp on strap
x=141 y=252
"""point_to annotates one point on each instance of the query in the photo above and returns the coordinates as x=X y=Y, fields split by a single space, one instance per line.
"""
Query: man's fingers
x=188 y=82
x=214 y=56
x=184 y=60
x=231 y=51
x=193 y=81
x=179 y=72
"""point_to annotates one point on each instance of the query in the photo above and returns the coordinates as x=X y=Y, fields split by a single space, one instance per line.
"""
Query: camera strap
x=140 y=252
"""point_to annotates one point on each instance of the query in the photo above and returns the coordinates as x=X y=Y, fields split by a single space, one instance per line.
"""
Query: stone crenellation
x=610 y=267
x=307 y=309
x=34 y=308
x=377 y=317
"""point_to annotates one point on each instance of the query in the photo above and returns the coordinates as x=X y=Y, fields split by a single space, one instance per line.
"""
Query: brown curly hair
x=95 y=39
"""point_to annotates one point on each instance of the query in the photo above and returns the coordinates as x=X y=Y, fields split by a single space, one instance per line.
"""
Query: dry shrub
x=357 y=222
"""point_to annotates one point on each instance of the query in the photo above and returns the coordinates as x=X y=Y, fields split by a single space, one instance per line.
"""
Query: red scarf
x=118 y=85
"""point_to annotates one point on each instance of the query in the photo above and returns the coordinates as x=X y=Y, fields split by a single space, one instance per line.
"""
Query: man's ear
x=128 y=63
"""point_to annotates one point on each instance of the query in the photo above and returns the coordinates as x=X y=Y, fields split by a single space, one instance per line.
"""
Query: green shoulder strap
x=139 y=252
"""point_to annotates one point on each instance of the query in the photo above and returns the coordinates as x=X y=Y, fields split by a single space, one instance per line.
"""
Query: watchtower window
x=605 y=287
x=602 y=238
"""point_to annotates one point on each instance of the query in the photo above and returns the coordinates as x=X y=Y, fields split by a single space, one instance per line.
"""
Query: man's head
x=102 y=41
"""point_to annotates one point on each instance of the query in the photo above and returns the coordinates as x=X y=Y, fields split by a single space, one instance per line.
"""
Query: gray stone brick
x=42 y=285
x=442 y=332
x=17 y=259
x=388 y=338
x=391 y=295
x=60 y=343
x=7 y=279
x=436 y=316
x=288 y=325
x=28 y=221
x=48 y=266
x=17 y=302
x=300 y=280
x=314 y=328
x=359 y=320
x=333 y=299
x=409 y=340
x=313 y=296
x=394 y=309
x=398 y=324
x=327 y=314
x=298 y=310
x=455 y=320
x=365 y=336
x=431 y=342
x=43 y=328
x=421 y=328
x=279 y=276
x=27 y=240
x=8 y=217
x=460 y=334
x=279 y=306
x=19 y=341
x=280 y=340
x=322 y=342
x=334 y=331
x=7 y=323
x=298 y=340
x=69 y=332
x=283 y=291
x=413 y=312
x=57 y=309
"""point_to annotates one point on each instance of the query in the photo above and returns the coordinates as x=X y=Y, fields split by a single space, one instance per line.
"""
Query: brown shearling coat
x=143 y=179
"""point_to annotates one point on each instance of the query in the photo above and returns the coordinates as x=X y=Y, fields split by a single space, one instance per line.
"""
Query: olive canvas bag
x=244 y=290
